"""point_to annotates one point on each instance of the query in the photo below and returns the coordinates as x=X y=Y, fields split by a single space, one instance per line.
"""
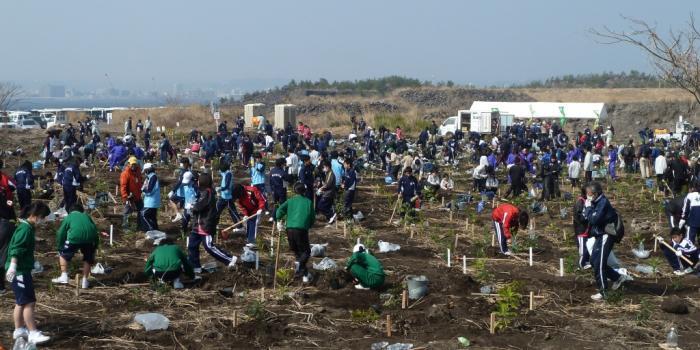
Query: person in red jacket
x=249 y=202
x=506 y=217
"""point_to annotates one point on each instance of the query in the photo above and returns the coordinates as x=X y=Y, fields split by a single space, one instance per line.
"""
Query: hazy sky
x=145 y=43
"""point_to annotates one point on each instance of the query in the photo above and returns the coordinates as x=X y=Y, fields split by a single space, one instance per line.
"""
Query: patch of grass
x=408 y=124
x=364 y=315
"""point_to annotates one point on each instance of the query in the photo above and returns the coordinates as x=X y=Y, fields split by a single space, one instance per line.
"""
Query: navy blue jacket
x=71 y=176
x=24 y=179
x=599 y=214
x=408 y=187
x=277 y=178
x=349 y=180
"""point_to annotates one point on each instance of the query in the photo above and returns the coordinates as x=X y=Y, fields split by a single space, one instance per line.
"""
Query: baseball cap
x=132 y=160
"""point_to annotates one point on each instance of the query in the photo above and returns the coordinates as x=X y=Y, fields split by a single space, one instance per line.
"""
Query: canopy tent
x=543 y=110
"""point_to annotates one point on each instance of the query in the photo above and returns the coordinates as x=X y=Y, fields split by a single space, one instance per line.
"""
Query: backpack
x=616 y=228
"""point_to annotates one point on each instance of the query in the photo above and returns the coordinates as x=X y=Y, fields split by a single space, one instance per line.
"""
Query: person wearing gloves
x=250 y=202
x=71 y=182
x=673 y=208
x=24 y=180
x=683 y=248
x=167 y=262
x=690 y=216
x=409 y=190
x=507 y=217
x=349 y=184
x=225 y=200
x=300 y=215
x=175 y=196
x=151 y=197
x=130 y=183
x=278 y=178
x=204 y=227
x=366 y=270
x=581 y=231
x=598 y=213
x=18 y=266
x=326 y=193
x=77 y=232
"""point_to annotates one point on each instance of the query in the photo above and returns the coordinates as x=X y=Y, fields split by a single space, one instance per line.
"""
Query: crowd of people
x=532 y=158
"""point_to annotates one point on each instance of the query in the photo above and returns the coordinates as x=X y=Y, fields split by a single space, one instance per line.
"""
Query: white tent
x=543 y=110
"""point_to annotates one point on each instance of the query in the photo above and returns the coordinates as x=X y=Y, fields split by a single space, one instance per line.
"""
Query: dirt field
x=328 y=314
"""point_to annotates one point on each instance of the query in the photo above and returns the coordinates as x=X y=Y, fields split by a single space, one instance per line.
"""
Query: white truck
x=482 y=123
x=683 y=129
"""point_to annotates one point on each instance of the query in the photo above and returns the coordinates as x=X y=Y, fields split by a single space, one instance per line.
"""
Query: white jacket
x=660 y=165
x=588 y=162
x=574 y=169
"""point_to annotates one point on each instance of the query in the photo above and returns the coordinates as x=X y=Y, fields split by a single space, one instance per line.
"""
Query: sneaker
x=508 y=253
x=689 y=270
x=587 y=266
x=177 y=217
x=233 y=262
x=597 y=297
x=177 y=284
x=63 y=279
x=237 y=230
x=20 y=333
x=679 y=272
x=332 y=220
x=270 y=219
x=85 y=284
x=620 y=281
x=36 y=337
x=360 y=287
x=251 y=246
x=267 y=212
x=197 y=270
x=308 y=277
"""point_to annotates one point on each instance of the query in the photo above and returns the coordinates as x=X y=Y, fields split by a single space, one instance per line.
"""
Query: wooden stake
x=466 y=226
x=530 y=256
x=532 y=300
x=451 y=211
x=656 y=244
x=77 y=284
x=116 y=190
x=449 y=259
x=456 y=240
x=561 y=267
x=404 y=299
x=111 y=234
x=464 y=264
x=345 y=229
x=235 y=318
x=388 y=325
x=493 y=239
x=492 y=328
x=277 y=260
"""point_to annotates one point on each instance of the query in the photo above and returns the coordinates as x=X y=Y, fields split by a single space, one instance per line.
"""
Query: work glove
x=659 y=238
x=245 y=218
x=170 y=194
x=280 y=226
x=318 y=192
x=9 y=203
x=681 y=223
x=679 y=253
x=11 y=272
x=131 y=195
x=258 y=212
x=588 y=203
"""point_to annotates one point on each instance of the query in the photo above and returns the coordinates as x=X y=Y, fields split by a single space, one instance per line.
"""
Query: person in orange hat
x=130 y=183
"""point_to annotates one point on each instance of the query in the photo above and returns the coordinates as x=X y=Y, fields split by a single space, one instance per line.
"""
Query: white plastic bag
x=385 y=247
x=318 y=250
x=248 y=255
x=152 y=321
x=325 y=264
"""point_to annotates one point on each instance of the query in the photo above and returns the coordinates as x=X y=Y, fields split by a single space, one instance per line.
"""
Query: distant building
x=55 y=91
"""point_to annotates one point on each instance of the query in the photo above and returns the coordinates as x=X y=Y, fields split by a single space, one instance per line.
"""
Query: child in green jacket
x=167 y=262
x=300 y=214
x=18 y=267
x=366 y=270
x=77 y=232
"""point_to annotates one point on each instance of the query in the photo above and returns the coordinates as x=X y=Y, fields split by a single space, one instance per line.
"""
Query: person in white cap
x=366 y=270
x=151 y=197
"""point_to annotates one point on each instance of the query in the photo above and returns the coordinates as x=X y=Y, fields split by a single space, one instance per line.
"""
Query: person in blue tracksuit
x=337 y=167
x=71 y=183
x=349 y=184
x=599 y=212
x=278 y=177
x=151 y=197
x=409 y=190
x=225 y=200
x=257 y=175
x=24 y=180
x=164 y=148
x=683 y=248
x=306 y=176
x=691 y=213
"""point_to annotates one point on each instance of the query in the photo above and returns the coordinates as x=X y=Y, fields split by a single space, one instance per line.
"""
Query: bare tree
x=9 y=94
x=675 y=56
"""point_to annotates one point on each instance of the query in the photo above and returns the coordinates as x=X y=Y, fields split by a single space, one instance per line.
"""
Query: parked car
x=28 y=124
x=6 y=123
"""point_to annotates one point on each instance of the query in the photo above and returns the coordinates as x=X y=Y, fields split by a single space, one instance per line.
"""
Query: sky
x=156 y=43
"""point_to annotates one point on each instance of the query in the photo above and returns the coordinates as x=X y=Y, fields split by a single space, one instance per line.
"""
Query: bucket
x=650 y=183
x=417 y=286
